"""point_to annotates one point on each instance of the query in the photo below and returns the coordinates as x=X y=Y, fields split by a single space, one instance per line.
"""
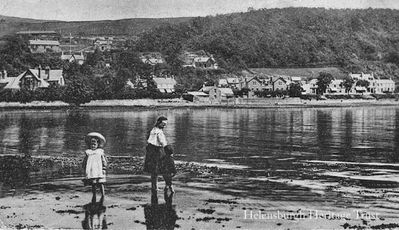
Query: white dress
x=94 y=165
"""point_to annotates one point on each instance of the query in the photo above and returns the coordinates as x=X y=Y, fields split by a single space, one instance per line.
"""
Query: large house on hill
x=39 y=34
x=43 y=46
x=33 y=79
x=198 y=59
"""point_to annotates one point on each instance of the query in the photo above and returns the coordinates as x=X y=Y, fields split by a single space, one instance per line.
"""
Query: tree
x=77 y=91
x=347 y=83
x=295 y=90
x=363 y=83
x=323 y=80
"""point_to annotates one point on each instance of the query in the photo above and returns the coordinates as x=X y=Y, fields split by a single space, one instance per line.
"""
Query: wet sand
x=206 y=198
x=66 y=202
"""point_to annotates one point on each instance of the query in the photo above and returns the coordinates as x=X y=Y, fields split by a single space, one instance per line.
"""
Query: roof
x=44 y=42
x=38 y=32
x=198 y=93
x=296 y=78
x=360 y=88
x=278 y=78
x=385 y=81
x=233 y=80
x=162 y=80
x=54 y=74
x=14 y=83
x=69 y=56
x=226 y=91
x=222 y=81
x=300 y=72
x=190 y=57
x=206 y=89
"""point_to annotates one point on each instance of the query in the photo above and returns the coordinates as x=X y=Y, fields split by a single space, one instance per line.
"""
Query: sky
x=85 y=10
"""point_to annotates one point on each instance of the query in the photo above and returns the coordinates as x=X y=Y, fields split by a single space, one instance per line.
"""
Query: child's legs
x=93 y=190
x=168 y=180
x=102 y=189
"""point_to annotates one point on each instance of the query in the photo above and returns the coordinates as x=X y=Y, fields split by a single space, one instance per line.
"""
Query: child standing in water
x=168 y=170
x=95 y=164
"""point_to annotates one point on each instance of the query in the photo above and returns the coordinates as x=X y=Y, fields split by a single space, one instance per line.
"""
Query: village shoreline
x=179 y=103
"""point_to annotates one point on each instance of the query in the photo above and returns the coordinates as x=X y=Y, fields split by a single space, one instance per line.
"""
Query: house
x=43 y=46
x=196 y=96
x=4 y=79
x=279 y=83
x=198 y=59
x=103 y=44
x=78 y=58
x=152 y=58
x=33 y=79
x=365 y=77
x=219 y=94
x=256 y=83
x=165 y=85
x=335 y=87
x=230 y=82
x=309 y=87
x=384 y=86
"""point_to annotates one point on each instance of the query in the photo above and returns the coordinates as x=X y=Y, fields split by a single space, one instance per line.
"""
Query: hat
x=100 y=137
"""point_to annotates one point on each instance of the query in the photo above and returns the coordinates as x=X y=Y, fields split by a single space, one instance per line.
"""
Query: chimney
x=5 y=73
x=39 y=71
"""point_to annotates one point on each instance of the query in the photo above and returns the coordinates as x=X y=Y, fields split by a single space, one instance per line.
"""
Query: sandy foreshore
x=207 y=197
x=179 y=103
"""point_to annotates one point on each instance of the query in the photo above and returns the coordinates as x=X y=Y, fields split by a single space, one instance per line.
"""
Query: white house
x=165 y=85
x=384 y=86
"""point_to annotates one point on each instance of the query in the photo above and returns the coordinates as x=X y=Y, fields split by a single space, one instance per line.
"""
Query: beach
x=206 y=198
x=180 y=103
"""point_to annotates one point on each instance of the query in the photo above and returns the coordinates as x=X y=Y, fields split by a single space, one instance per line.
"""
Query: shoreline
x=205 y=199
x=179 y=103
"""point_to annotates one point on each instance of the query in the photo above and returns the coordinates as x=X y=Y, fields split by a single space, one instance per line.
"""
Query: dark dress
x=152 y=159
x=167 y=165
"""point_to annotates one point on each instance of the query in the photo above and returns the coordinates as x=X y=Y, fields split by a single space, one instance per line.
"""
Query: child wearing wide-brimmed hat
x=95 y=164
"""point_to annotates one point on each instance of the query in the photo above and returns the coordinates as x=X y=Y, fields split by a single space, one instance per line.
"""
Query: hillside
x=355 y=40
x=10 y=25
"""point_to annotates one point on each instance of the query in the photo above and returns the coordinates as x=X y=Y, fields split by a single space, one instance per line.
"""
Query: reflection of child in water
x=95 y=217
x=95 y=164
x=168 y=170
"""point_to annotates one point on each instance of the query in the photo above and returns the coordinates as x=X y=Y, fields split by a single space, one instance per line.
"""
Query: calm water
x=277 y=147
x=248 y=137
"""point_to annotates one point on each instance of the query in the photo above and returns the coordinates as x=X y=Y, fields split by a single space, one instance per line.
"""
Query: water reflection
x=160 y=216
x=95 y=217
x=235 y=135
